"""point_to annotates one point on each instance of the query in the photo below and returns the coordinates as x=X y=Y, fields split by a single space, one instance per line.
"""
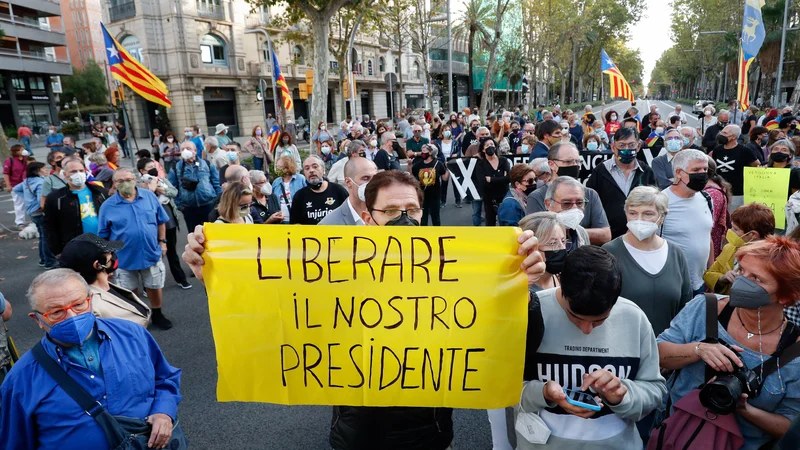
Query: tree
x=88 y=85
x=319 y=13
x=493 y=42
x=473 y=24
x=512 y=66
x=423 y=37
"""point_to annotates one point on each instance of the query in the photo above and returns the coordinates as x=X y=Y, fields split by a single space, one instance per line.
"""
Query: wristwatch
x=162 y=240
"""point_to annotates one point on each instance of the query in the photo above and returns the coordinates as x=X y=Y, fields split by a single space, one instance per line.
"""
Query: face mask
x=627 y=156
x=187 y=155
x=642 y=229
x=529 y=189
x=613 y=117
x=697 y=181
x=58 y=163
x=233 y=156
x=126 y=188
x=258 y=132
x=323 y=127
x=108 y=129
x=686 y=141
x=266 y=189
x=446 y=134
x=674 y=146
x=73 y=331
x=170 y=140
x=734 y=239
x=722 y=140
x=51 y=132
x=525 y=149
x=188 y=134
x=592 y=146
x=565 y=132
x=403 y=221
x=764 y=141
x=779 y=157
x=285 y=140
x=373 y=143
x=570 y=171
x=112 y=266
x=722 y=124
x=244 y=212
x=554 y=260
x=78 y=179
x=474 y=129
x=659 y=130
x=425 y=155
x=490 y=151
x=325 y=150
x=707 y=113
x=396 y=147
x=747 y=294
x=153 y=172
x=315 y=184
x=570 y=218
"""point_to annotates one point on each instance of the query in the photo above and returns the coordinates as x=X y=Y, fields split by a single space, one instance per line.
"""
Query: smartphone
x=582 y=400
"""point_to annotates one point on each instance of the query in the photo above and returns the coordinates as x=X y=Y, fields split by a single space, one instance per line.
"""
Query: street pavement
x=189 y=345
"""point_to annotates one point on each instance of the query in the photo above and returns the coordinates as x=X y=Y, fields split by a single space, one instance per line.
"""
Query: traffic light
x=119 y=96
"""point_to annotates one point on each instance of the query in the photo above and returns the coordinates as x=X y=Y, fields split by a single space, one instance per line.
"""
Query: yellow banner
x=769 y=186
x=372 y=316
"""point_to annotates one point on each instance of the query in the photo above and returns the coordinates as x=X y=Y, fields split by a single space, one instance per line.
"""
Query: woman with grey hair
x=102 y=172
x=655 y=271
x=552 y=241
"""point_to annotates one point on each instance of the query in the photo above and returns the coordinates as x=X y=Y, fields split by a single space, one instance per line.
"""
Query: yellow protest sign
x=769 y=186
x=373 y=316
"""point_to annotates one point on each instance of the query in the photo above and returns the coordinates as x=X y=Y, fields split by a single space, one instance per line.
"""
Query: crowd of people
x=620 y=265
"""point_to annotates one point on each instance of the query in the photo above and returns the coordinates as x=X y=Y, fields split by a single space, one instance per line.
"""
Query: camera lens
x=720 y=396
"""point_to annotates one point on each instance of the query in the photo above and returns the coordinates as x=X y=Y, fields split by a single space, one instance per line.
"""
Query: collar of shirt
x=356 y=216
x=87 y=355
x=669 y=157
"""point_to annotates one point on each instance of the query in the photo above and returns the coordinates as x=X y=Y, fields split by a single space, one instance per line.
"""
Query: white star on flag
x=113 y=52
x=610 y=62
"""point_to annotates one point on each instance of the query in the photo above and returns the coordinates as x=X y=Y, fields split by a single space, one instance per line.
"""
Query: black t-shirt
x=309 y=207
x=514 y=141
x=731 y=164
x=429 y=175
x=468 y=139
x=382 y=160
x=746 y=123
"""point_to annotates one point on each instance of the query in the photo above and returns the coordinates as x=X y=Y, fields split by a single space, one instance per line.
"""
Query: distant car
x=698 y=107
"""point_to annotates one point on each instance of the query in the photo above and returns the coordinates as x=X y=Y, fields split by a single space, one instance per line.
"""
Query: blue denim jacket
x=31 y=190
x=207 y=189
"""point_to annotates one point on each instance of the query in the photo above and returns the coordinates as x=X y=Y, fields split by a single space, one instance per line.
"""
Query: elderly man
x=357 y=172
x=266 y=206
x=354 y=149
x=731 y=158
x=136 y=217
x=679 y=112
x=566 y=197
x=54 y=139
x=563 y=159
x=662 y=164
x=72 y=210
x=215 y=155
x=69 y=146
x=115 y=361
x=392 y=198
x=614 y=178
x=541 y=169
x=653 y=110
x=472 y=150
x=221 y=133
x=689 y=222
x=315 y=201
x=415 y=144
x=710 y=135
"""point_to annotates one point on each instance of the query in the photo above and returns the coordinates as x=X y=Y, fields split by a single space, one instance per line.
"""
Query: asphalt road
x=189 y=345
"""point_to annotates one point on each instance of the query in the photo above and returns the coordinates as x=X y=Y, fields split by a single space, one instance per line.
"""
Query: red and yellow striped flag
x=281 y=82
x=127 y=70
x=619 y=86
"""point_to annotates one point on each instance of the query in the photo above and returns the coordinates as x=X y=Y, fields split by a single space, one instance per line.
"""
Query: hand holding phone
x=554 y=393
x=607 y=386
x=582 y=400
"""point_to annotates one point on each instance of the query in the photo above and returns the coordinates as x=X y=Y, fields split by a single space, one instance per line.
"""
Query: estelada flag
x=127 y=70
x=274 y=135
x=772 y=125
x=619 y=86
x=281 y=82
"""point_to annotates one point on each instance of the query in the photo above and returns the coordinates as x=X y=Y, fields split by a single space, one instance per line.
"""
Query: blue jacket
x=137 y=382
x=298 y=182
x=31 y=190
x=207 y=189
x=455 y=152
x=540 y=150
x=510 y=211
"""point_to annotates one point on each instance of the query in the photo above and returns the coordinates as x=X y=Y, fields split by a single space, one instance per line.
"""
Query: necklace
x=751 y=334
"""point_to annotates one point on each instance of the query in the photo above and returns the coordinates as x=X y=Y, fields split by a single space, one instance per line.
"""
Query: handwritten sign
x=769 y=186
x=373 y=316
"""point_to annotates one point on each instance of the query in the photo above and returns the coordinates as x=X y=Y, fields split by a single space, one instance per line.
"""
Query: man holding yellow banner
x=412 y=322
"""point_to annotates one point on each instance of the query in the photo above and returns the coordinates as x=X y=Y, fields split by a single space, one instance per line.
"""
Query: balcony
x=256 y=20
x=34 y=62
x=30 y=29
x=122 y=11
x=211 y=11
x=45 y=7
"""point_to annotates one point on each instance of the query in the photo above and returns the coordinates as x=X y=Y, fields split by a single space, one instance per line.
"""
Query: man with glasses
x=115 y=361
x=615 y=178
x=566 y=197
x=136 y=217
x=564 y=159
x=662 y=165
x=415 y=143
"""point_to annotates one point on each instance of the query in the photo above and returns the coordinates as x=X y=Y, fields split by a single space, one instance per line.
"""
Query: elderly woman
x=542 y=170
x=655 y=271
x=234 y=205
x=512 y=209
x=751 y=320
x=287 y=183
x=112 y=156
x=101 y=169
x=592 y=142
x=265 y=202
x=749 y=223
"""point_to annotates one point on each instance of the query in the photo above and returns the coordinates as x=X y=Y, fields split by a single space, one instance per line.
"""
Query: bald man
x=357 y=173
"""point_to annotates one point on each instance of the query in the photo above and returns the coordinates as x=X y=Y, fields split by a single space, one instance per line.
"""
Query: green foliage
x=88 y=85
x=69 y=114
x=11 y=131
x=71 y=129
x=162 y=119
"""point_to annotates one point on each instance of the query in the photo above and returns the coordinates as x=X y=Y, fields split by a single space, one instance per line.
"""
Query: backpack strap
x=707 y=196
x=785 y=357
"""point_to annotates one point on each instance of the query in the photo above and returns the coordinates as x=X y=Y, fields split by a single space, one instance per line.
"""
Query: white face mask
x=78 y=179
x=187 y=154
x=642 y=229
x=362 y=189
x=570 y=218
x=266 y=189
x=170 y=140
x=660 y=130
x=613 y=117
x=707 y=113
x=373 y=143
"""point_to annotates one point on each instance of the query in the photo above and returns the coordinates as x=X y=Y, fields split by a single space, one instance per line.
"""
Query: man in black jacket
x=72 y=210
x=614 y=178
x=710 y=136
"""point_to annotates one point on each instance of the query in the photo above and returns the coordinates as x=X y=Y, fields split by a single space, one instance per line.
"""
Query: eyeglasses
x=570 y=162
x=59 y=314
x=395 y=213
x=529 y=181
x=633 y=146
x=570 y=204
x=674 y=138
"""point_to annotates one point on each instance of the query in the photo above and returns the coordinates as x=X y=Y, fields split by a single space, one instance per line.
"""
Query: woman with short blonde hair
x=234 y=205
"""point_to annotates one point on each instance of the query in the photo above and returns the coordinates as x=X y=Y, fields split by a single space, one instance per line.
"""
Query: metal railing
x=122 y=11
x=42 y=56
x=211 y=10
x=256 y=20
x=30 y=22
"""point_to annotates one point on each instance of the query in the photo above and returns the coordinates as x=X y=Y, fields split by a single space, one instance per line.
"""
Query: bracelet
x=697 y=349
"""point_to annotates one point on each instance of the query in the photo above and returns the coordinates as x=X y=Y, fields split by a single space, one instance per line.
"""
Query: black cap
x=86 y=249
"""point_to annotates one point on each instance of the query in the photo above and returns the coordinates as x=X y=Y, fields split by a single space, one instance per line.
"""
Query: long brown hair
x=717 y=178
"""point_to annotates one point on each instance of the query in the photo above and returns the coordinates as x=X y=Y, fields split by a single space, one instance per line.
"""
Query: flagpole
x=127 y=124
x=278 y=110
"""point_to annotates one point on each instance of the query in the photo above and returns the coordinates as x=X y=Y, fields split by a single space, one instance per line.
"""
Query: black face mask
x=153 y=172
x=397 y=148
x=570 y=171
x=554 y=260
x=722 y=124
x=722 y=140
x=403 y=221
x=58 y=163
x=490 y=151
x=112 y=265
x=697 y=181
x=779 y=157
x=529 y=190
x=315 y=184
x=474 y=129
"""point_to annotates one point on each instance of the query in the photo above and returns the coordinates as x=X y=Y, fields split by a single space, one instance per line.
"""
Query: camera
x=720 y=396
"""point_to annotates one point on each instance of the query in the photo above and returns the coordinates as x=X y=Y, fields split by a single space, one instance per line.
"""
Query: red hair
x=780 y=257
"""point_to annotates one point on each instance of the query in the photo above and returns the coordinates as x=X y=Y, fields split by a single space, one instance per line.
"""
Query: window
x=369 y=67
x=37 y=83
x=415 y=71
x=381 y=64
x=396 y=65
x=297 y=55
x=78 y=36
x=18 y=83
x=133 y=46
x=212 y=50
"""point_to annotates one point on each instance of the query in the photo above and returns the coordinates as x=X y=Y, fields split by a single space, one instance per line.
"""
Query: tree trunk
x=563 y=90
x=795 y=93
x=508 y=89
x=319 y=92
x=471 y=83
x=342 y=73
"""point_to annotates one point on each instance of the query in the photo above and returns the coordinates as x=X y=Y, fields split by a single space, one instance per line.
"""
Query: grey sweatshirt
x=624 y=345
